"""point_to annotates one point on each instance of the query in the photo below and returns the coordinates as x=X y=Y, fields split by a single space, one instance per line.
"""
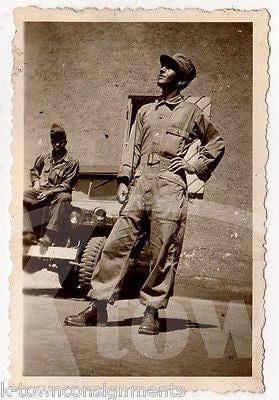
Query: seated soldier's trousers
x=164 y=202
x=53 y=210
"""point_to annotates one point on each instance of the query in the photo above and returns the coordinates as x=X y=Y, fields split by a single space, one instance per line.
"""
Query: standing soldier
x=153 y=188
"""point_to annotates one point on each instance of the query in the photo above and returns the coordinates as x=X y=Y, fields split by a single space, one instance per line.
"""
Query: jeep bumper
x=62 y=253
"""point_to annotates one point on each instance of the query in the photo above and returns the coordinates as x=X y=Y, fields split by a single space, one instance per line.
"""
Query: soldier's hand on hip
x=122 y=193
x=179 y=164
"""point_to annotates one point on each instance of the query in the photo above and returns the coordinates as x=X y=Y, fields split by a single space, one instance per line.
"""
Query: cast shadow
x=57 y=293
x=166 y=324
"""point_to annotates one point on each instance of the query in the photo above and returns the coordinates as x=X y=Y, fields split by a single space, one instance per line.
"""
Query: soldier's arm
x=212 y=146
x=36 y=170
x=132 y=151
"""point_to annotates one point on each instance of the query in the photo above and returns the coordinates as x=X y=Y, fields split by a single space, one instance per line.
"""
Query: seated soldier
x=53 y=178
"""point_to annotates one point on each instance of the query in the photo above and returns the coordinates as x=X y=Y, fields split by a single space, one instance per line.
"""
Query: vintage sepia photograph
x=142 y=234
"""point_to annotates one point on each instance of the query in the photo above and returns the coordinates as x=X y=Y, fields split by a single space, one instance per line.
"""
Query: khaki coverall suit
x=60 y=178
x=162 y=130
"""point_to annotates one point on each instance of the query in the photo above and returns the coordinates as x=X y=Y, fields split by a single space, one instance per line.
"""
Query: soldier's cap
x=57 y=132
x=180 y=63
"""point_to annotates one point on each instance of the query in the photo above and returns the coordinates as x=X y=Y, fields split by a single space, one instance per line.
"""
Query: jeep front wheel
x=89 y=259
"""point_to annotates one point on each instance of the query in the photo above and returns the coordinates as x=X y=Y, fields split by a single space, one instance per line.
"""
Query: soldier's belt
x=153 y=159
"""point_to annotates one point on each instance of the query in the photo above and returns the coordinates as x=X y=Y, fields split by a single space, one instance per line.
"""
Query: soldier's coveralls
x=60 y=178
x=162 y=130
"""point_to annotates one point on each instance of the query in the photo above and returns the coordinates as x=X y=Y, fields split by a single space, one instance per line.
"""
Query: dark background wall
x=80 y=74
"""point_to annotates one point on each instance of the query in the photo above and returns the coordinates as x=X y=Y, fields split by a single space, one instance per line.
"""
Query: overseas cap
x=180 y=63
x=57 y=131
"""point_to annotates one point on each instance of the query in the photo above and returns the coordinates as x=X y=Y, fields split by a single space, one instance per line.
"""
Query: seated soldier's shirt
x=57 y=176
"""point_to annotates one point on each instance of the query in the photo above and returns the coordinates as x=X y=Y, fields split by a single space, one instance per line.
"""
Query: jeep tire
x=90 y=257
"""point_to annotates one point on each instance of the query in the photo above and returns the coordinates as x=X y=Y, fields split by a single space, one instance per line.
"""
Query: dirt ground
x=80 y=76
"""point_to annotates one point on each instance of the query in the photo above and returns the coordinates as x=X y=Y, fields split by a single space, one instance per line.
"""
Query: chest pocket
x=58 y=174
x=173 y=141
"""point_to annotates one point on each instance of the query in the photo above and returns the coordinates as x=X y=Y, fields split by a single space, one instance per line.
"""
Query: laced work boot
x=94 y=315
x=150 y=322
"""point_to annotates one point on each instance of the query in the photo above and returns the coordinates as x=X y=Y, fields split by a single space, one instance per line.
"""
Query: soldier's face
x=167 y=77
x=58 y=144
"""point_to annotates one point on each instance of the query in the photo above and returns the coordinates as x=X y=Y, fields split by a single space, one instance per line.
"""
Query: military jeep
x=94 y=210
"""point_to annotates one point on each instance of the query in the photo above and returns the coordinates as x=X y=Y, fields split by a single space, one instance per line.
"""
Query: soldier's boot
x=94 y=315
x=150 y=322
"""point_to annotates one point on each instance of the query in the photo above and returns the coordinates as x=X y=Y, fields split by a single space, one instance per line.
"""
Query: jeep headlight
x=99 y=214
x=75 y=217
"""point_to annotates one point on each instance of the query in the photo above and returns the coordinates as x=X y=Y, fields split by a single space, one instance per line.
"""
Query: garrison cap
x=181 y=64
x=57 y=131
